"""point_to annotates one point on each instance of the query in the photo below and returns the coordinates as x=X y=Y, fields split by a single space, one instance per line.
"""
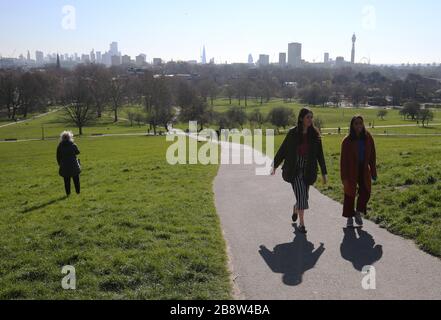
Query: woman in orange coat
x=357 y=167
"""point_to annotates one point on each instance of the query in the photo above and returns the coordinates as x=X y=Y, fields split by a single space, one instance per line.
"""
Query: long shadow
x=43 y=205
x=292 y=259
x=361 y=251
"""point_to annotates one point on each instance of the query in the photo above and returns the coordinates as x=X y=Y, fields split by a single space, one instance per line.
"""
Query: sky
x=388 y=31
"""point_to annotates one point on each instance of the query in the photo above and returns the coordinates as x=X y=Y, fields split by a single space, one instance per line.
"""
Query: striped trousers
x=301 y=190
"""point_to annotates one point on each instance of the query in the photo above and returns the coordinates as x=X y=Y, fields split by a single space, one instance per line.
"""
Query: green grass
x=407 y=198
x=332 y=117
x=141 y=229
x=54 y=123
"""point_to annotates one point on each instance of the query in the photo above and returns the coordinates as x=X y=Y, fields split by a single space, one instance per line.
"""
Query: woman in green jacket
x=301 y=153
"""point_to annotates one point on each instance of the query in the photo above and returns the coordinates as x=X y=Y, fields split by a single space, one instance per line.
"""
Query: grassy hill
x=141 y=229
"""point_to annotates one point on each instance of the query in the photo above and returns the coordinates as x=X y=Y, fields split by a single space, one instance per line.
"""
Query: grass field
x=54 y=123
x=140 y=230
x=145 y=230
x=407 y=197
x=332 y=117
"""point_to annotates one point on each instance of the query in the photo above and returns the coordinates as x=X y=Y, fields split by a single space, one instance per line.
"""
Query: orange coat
x=349 y=164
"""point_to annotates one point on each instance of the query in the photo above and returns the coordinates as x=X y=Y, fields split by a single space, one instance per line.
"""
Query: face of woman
x=307 y=120
x=358 y=126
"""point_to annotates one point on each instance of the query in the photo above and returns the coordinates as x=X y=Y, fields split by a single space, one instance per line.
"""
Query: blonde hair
x=67 y=136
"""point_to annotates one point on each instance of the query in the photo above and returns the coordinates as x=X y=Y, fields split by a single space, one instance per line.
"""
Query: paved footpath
x=270 y=260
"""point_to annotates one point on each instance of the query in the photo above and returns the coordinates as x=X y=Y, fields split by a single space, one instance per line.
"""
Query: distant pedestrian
x=339 y=131
x=301 y=153
x=358 y=167
x=69 y=165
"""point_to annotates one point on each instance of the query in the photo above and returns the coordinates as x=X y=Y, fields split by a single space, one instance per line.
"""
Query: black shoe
x=302 y=229
x=295 y=216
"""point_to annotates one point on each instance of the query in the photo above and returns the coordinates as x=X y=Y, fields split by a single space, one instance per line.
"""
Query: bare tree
x=116 y=92
x=79 y=102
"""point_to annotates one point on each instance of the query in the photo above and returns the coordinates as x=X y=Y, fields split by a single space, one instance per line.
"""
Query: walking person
x=70 y=168
x=358 y=166
x=301 y=153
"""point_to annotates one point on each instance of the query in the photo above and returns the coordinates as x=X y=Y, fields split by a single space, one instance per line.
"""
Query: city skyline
x=386 y=33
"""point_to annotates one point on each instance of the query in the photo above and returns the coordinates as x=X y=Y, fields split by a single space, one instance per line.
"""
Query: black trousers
x=76 y=181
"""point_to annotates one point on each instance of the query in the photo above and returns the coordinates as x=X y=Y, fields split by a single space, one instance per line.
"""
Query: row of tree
x=187 y=92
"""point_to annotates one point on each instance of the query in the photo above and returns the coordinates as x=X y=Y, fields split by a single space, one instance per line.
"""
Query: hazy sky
x=388 y=31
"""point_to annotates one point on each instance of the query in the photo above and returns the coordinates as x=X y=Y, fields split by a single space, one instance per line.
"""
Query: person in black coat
x=301 y=153
x=70 y=168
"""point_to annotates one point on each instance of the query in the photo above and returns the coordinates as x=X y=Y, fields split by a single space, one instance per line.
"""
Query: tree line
x=183 y=92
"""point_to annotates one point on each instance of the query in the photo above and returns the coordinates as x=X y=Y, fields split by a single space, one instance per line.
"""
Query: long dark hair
x=313 y=132
x=352 y=134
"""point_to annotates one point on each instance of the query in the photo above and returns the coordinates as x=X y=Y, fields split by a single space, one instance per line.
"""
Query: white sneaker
x=358 y=219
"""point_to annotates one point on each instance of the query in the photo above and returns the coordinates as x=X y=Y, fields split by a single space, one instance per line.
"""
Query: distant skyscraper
x=39 y=57
x=126 y=59
x=85 y=58
x=263 y=60
x=99 y=58
x=326 y=59
x=92 y=56
x=282 y=59
x=115 y=60
x=29 y=56
x=106 y=59
x=354 y=39
x=295 y=54
x=250 y=59
x=157 y=61
x=339 y=61
x=204 y=56
x=58 y=61
x=140 y=60
x=114 y=49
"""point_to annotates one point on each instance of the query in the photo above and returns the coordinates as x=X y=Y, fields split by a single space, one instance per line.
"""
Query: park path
x=30 y=119
x=270 y=260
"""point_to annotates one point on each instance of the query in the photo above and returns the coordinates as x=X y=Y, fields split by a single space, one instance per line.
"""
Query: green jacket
x=287 y=155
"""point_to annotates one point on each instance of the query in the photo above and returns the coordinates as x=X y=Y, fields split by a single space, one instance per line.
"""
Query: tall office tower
x=106 y=59
x=157 y=61
x=250 y=59
x=340 y=61
x=326 y=59
x=29 y=56
x=354 y=39
x=263 y=60
x=282 y=59
x=126 y=59
x=140 y=60
x=204 y=56
x=114 y=49
x=115 y=60
x=99 y=57
x=39 y=57
x=85 y=58
x=92 y=56
x=295 y=54
x=58 y=61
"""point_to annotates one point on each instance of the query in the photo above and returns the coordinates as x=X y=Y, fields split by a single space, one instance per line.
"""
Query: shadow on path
x=43 y=205
x=361 y=251
x=292 y=259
